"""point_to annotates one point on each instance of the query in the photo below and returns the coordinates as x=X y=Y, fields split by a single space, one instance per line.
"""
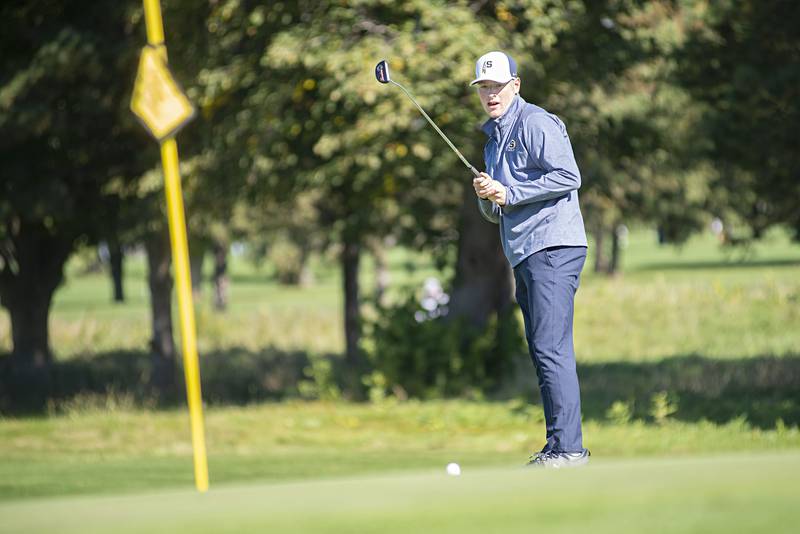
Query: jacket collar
x=506 y=119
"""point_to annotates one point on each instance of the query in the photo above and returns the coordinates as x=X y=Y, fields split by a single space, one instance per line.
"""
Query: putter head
x=382 y=71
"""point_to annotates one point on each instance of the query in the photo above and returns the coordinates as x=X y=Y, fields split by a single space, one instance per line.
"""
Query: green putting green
x=731 y=493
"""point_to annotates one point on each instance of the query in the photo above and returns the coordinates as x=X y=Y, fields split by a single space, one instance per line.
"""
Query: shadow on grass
x=763 y=390
x=231 y=376
x=268 y=278
x=717 y=264
x=251 y=278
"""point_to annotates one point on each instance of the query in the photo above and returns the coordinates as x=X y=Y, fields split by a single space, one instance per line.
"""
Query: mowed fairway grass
x=690 y=367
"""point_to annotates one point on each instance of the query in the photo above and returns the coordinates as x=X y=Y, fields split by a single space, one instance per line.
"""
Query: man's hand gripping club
x=490 y=189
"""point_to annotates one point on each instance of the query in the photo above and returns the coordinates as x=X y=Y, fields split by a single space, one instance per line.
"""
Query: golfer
x=530 y=188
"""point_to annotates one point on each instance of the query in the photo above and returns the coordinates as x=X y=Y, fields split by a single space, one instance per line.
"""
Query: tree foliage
x=678 y=110
x=741 y=65
x=68 y=146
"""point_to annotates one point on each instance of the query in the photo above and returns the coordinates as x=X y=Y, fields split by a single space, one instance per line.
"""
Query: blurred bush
x=422 y=352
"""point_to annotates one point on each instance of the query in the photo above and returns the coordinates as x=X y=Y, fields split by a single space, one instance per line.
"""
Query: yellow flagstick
x=153 y=22
x=151 y=105
x=180 y=253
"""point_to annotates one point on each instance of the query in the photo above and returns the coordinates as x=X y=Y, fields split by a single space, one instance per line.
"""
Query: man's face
x=496 y=97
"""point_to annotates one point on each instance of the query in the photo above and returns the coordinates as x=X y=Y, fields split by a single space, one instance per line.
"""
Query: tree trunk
x=483 y=282
x=29 y=330
x=116 y=257
x=600 y=258
x=162 y=345
x=31 y=269
x=381 y=272
x=616 y=251
x=306 y=276
x=220 y=276
x=196 y=256
x=351 y=255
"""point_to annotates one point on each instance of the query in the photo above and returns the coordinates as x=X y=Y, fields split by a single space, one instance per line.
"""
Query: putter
x=382 y=75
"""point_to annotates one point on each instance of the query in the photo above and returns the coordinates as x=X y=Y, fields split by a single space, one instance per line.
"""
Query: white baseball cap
x=495 y=67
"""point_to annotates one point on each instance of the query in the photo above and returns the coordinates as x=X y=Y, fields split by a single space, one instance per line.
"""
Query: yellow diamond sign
x=157 y=100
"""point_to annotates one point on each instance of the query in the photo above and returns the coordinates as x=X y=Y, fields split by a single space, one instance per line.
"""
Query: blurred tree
x=217 y=49
x=116 y=262
x=286 y=233
x=68 y=142
x=325 y=124
x=741 y=63
x=298 y=144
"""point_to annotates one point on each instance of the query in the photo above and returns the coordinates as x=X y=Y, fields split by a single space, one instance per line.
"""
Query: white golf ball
x=453 y=469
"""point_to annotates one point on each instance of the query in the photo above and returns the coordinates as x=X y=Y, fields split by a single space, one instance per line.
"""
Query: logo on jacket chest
x=511 y=146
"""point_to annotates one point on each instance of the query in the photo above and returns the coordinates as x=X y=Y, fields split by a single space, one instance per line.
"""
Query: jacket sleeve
x=552 y=159
x=489 y=210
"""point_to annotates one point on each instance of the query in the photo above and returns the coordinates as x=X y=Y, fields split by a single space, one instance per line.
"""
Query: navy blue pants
x=546 y=284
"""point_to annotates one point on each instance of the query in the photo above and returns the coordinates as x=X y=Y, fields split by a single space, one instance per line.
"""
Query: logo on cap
x=494 y=66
